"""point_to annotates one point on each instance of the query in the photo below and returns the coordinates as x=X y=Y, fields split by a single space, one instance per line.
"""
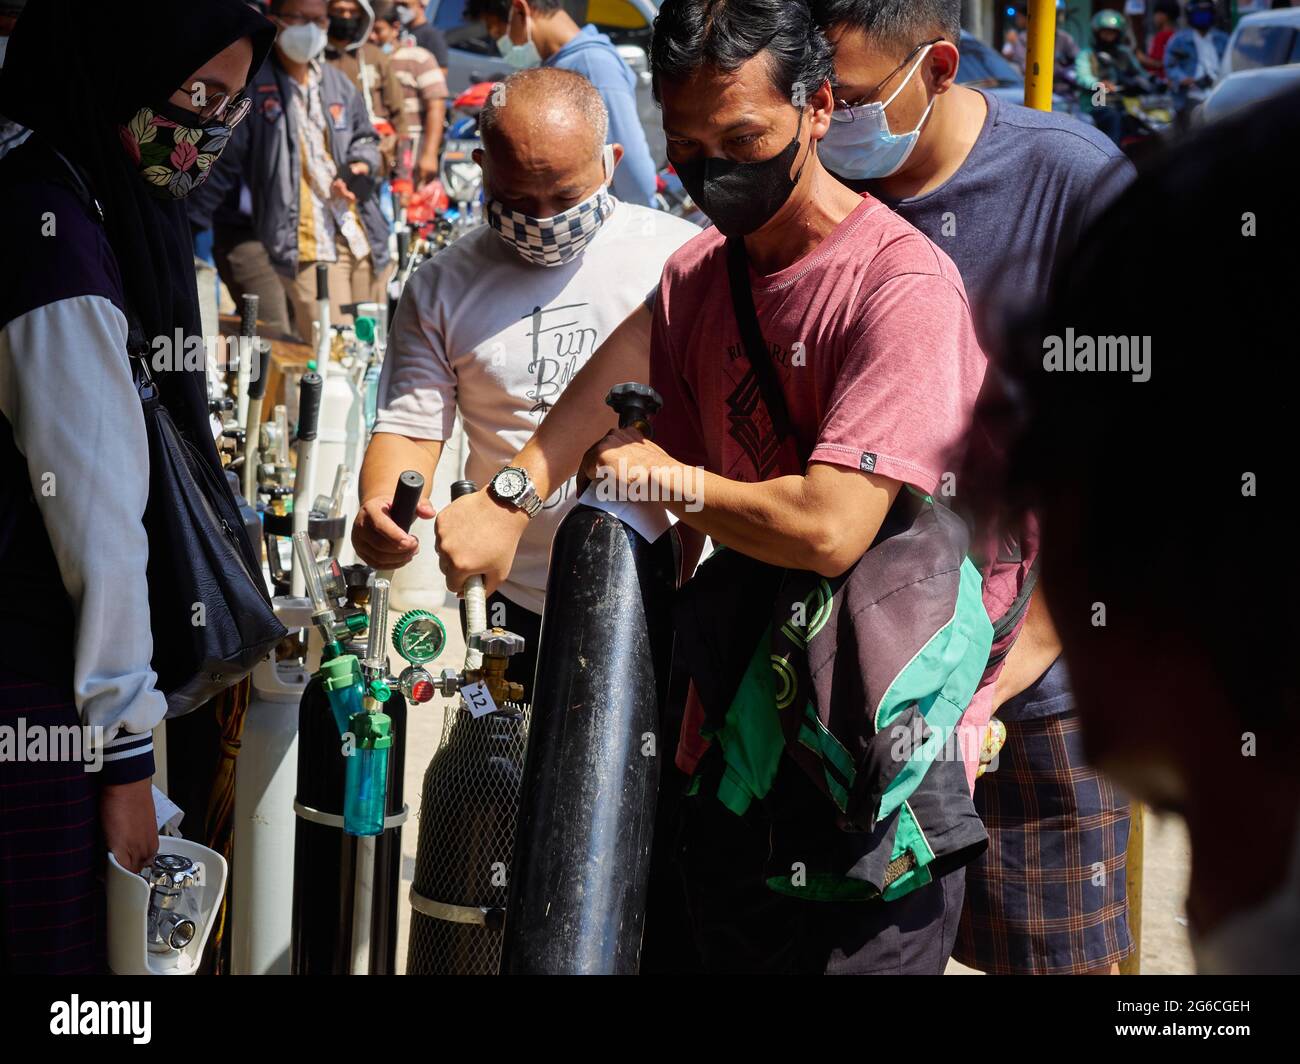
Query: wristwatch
x=514 y=487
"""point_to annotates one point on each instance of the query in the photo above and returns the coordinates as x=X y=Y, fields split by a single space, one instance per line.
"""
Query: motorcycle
x=1146 y=115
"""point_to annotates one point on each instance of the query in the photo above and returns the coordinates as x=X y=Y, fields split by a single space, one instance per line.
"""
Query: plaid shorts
x=51 y=850
x=1048 y=896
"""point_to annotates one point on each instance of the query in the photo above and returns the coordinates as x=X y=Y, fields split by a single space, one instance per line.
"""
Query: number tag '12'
x=478 y=700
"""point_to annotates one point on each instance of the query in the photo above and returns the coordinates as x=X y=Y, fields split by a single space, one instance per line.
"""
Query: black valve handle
x=257 y=371
x=636 y=405
x=403 y=247
x=309 y=393
x=248 y=320
x=322 y=281
x=410 y=486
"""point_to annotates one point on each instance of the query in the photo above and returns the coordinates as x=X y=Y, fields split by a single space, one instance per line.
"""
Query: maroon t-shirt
x=871 y=338
x=873 y=345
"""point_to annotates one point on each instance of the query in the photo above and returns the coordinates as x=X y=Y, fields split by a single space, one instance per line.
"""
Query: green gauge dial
x=419 y=637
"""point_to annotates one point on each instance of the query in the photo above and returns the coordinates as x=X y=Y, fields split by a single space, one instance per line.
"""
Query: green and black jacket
x=861 y=681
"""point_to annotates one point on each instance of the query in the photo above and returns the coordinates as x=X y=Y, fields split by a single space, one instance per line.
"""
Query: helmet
x=1108 y=20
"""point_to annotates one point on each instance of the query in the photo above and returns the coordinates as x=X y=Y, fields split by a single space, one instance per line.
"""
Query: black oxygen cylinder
x=324 y=858
x=579 y=875
x=468 y=802
x=324 y=867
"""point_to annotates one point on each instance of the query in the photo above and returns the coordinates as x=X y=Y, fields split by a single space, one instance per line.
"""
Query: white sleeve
x=66 y=388
x=417 y=386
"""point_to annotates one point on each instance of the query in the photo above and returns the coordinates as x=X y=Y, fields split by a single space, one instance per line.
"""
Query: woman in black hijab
x=130 y=105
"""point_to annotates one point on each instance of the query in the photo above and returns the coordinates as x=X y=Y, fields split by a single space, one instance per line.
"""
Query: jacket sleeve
x=88 y=460
x=203 y=202
x=1180 y=57
x=1083 y=75
x=394 y=98
x=365 y=141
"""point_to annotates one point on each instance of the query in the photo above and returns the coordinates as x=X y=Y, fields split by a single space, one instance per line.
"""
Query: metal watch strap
x=530 y=502
x=527 y=501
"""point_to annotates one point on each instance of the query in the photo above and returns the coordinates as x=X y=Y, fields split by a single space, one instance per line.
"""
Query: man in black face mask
x=370 y=71
x=793 y=461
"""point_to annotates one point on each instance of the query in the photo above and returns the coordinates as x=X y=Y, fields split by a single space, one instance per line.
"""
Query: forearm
x=770 y=521
x=431 y=138
x=581 y=417
x=797 y=522
x=1031 y=655
x=389 y=456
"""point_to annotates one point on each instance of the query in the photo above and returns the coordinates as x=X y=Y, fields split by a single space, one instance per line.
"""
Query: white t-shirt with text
x=481 y=330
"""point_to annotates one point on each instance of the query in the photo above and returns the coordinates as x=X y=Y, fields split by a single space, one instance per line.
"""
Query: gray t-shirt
x=1030 y=184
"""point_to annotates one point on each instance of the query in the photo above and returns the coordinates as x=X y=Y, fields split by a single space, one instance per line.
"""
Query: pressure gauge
x=419 y=637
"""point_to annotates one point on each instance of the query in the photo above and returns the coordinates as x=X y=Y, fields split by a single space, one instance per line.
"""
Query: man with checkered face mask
x=496 y=325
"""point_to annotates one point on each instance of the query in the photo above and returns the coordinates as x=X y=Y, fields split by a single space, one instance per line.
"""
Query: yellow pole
x=1132 y=964
x=1040 y=54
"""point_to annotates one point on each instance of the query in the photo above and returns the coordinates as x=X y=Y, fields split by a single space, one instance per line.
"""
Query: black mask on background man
x=344 y=29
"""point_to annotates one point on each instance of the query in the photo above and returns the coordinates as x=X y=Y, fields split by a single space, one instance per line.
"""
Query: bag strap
x=751 y=334
x=137 y=345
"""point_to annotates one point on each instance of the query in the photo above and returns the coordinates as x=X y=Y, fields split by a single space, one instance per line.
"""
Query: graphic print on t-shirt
x=752 y=451
x=562 y=342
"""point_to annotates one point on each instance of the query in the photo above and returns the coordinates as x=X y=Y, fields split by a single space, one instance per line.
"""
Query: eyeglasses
x=844 y=111
x=225 y=107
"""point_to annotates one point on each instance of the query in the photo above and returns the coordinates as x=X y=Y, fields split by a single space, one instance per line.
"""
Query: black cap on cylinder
x=248 y=319
x=309 y=393
x=410 y=486
x=257 y=371
x=322 y=281
x=462 y=488
x=636 y=404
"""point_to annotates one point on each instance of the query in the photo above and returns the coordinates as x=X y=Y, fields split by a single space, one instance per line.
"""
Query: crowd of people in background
x=347 y=126
x=1182 y=55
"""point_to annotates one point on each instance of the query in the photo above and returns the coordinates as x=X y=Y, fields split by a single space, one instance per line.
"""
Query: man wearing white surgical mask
x=309 y=154
x=1004 y=191
x=496 y=325
x=531 y=33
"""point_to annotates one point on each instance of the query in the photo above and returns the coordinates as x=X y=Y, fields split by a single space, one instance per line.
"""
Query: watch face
x=509 y=484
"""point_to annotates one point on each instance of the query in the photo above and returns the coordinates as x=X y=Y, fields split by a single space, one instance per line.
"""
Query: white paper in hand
x=650 y=519
x=167 y=813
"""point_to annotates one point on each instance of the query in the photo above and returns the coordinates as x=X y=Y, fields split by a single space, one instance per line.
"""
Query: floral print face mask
x=173 y=157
